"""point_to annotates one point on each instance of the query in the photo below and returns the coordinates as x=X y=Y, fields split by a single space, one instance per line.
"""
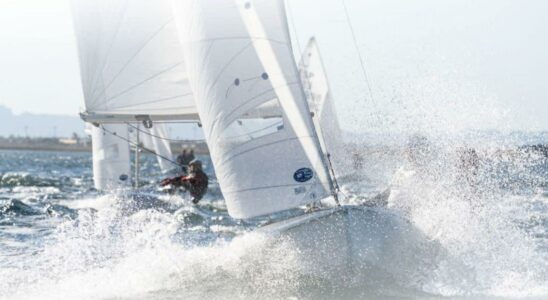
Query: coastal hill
x=33 y=125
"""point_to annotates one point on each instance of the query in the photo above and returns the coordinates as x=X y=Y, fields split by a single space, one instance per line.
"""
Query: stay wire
x=360 y=56
x=157 y=136
x=297 y=40
x=139 y=146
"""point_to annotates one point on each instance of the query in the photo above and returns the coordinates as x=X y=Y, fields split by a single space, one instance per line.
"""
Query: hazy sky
x=451 y=64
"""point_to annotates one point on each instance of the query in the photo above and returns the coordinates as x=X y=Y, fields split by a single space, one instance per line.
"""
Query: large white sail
x=111 y=159
x=316 y=84
x=131 y=61
x=156 y=139
x=240 y=63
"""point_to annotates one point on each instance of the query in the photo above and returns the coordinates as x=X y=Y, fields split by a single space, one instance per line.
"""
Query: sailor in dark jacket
x=195 y=182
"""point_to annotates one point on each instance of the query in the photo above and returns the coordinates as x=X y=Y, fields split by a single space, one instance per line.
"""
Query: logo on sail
x=303 y=175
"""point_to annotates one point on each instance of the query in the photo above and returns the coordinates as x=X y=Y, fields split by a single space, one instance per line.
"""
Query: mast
x=137 y=157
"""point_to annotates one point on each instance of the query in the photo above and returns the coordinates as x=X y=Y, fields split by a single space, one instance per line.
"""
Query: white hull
x=355 y=242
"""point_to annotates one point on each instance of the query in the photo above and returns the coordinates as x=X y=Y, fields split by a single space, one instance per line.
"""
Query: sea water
x=61 y=239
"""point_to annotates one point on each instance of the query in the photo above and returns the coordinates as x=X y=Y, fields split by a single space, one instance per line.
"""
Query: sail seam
x=256 y=97
x=273 y=187
x=134 y=56
x=111 y=44
x=152 y=101
x=144 y=81
x=262 y=146
x=221 y=72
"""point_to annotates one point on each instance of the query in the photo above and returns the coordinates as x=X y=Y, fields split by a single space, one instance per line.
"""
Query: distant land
x=33 y=125
x=63 y=126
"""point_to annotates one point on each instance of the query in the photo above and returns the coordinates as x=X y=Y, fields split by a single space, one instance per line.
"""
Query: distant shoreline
x=45 y=148
x=199 y=148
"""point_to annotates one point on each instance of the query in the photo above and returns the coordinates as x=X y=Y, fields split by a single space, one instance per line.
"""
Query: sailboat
x=241 y=65
x=229 y=64
x=133 y=78
x=134 y=74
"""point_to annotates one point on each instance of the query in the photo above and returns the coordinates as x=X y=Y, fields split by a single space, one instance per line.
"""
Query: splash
x=457 y=200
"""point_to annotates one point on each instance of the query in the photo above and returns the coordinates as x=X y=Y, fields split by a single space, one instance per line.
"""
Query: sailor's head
x=195 y=165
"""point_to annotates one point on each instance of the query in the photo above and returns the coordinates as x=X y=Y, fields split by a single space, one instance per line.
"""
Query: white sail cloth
x=131 y=61
x=111 y=159
x=241 y=61
x=316 y=85
x=156 y=139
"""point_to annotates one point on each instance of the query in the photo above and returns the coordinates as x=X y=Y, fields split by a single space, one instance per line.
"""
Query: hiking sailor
x=195 y=182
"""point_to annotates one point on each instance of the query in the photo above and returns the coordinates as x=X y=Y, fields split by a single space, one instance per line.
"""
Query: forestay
x=111 y=159
x=241 y=62
x=316 y=86
x=131 y=61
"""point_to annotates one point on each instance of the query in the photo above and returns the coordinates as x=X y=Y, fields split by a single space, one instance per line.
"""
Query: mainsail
x=240 y=65
x=131 y=62
x=111 y=159
x=318 y=92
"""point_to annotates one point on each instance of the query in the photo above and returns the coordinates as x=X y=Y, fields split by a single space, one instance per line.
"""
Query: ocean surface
x=61 y=239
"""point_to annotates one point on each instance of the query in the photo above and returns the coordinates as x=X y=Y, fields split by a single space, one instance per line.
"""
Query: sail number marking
x=303 y=175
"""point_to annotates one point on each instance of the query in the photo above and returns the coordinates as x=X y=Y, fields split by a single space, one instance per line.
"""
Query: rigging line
x=360 y=56
x=153 y=135
x=179 y=122
x=294 y=26
x=139 y=146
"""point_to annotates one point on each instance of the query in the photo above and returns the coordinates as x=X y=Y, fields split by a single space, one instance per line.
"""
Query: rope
x=360 y=56
x=157 y=136
x=290 y=10
x=139 y=146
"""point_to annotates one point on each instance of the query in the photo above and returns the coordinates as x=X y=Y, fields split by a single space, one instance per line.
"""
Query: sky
x=431 y=64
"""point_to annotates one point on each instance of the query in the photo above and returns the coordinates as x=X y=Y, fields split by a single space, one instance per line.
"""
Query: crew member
x=195 y=182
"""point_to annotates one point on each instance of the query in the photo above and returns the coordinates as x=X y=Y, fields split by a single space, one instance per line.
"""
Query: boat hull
x=356 y=243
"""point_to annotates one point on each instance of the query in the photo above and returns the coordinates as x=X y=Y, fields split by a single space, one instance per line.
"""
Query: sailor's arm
x=174 y=181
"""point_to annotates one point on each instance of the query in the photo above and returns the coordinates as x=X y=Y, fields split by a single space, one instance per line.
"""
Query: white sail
x=316 y=84
x=111 y=159
x=156 y=140
x=241 y=62
x=131 y=61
